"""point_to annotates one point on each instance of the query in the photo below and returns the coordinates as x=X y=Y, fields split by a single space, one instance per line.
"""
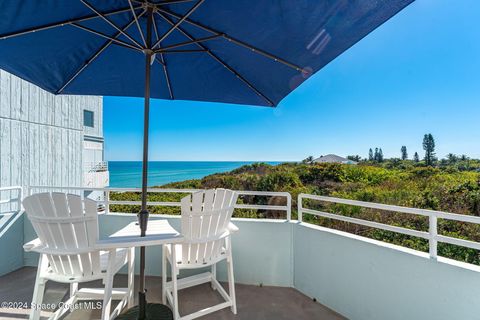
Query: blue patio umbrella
x=232 y=51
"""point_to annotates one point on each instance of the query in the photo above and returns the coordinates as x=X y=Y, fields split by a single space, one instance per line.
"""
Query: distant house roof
x=333 y=158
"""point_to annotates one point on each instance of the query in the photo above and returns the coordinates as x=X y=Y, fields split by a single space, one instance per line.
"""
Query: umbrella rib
x=223 y=63
x=166 y=2
x=88 y=5
x=136 y=21
x=181 y=19
x=60 y=24
x=116 y=41
x=163 y=63
x=188 y=42
x=93 y=57
x=184 y=51
x=233 y=40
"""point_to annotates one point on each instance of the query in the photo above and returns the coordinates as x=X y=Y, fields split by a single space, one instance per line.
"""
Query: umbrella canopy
x=242 y=51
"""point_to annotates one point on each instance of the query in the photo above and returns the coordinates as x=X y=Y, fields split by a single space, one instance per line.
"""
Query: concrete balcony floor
x=253 y=302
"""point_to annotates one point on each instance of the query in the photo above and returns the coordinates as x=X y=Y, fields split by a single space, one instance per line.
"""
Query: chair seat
x=120 y=260
x=178 y=250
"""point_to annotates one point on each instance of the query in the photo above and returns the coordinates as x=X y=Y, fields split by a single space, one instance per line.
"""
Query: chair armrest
x=33 y=245
x=232 y=228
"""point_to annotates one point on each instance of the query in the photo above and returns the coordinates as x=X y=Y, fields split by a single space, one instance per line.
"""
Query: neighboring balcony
x=96 y=175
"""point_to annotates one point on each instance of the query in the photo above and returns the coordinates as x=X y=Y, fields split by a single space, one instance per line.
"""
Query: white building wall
x=41 y=135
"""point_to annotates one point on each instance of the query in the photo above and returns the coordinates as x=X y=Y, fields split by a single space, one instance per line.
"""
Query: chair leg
x=107 y=299
x=176 y=314
x=164 y=274
x=131 y=276
x=231 y=283
x=214 y=275
x=39 y=289
x=73 y=288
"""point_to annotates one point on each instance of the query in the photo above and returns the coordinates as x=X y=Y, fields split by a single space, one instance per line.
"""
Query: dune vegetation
x=449 y=186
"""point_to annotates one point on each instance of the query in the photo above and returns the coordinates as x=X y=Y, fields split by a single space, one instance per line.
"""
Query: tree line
x=428 y=146
x=375 y=156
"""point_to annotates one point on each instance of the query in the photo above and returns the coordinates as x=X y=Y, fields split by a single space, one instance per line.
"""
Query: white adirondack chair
x=67 y=229
x=206 y=229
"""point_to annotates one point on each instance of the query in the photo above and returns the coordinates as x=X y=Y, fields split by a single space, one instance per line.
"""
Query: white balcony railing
x=100 y=166
x=432 y=235
x=107 y=202
x=11 y=199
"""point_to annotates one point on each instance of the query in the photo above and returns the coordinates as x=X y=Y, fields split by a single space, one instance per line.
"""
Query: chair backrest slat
x=66 y=222
x=196 y=224
x=186 y=208
x=205 y=231
x=80 y=229
x=47 y=209
x=205 y=215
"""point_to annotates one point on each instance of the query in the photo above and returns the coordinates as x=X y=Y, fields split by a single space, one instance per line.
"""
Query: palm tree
x=308 y=160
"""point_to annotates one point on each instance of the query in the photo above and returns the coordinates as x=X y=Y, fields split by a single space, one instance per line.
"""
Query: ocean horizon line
x=244 y=161
x=128 y=173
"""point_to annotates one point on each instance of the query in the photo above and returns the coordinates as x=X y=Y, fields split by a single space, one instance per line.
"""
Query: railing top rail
x=240 y=192
x=286 y=208
x=388 y=207
x=11 y=188
x=263 y=193
x=116 y=189
x=433 y=215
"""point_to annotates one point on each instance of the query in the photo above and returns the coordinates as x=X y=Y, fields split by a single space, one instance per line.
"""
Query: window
x=88 y=118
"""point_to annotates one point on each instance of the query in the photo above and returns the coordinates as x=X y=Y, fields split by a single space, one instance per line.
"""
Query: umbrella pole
x=143 y=215
x=144 y=310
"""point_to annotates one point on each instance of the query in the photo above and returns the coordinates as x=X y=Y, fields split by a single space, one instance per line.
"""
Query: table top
x=158 y=232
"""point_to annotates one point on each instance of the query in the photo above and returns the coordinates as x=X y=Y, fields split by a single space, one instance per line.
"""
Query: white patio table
x=159 y=232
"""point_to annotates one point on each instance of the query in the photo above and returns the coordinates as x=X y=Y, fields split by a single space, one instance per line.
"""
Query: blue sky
x=418 y=73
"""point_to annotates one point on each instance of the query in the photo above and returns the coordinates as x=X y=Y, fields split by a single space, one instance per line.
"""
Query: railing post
x=20 y=198
x=432 y=229
x=289 y=207
x=299 y=207
x=107 y=201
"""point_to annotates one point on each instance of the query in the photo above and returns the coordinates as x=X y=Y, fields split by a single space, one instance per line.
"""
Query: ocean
x=128 y=174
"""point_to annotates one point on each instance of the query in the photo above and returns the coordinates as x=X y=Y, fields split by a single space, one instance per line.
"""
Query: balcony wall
x=365 y=279
x=11 y=242
x=359 y=278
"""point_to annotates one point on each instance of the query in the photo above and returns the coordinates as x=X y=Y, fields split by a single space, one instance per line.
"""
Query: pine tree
x=370 y=155
x=380 y=155
x=416 y=158
x=404 y=153
x=375 y=157
x=429 y=147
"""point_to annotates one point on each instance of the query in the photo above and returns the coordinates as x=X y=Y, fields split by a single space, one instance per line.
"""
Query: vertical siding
x=41 y=135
